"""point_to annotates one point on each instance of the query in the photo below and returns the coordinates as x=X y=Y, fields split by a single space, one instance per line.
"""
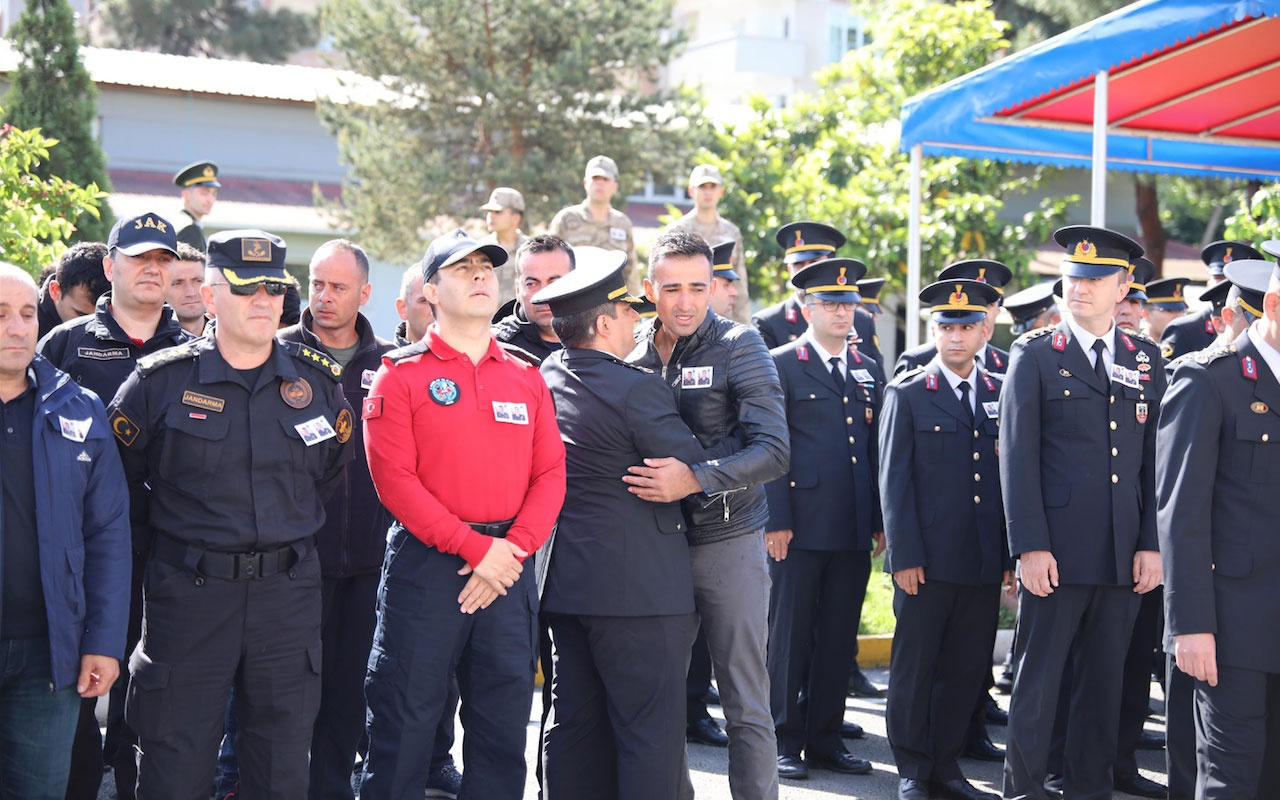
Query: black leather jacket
x=726 y=385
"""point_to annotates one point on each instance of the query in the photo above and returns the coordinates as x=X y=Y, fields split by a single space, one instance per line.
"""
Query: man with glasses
x=824 y=519
x=230 y=444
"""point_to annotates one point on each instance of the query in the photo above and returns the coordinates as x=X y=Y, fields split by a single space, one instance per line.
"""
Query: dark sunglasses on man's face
x=250 y=289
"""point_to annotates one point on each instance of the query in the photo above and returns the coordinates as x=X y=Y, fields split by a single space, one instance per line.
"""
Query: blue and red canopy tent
x=1187 y=87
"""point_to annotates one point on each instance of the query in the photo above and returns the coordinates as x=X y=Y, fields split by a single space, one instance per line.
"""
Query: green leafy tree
x=216 y=28
x=477 y=94
x=35 y=211
x=1257 y=217
x=833 y=156
x=52 y=91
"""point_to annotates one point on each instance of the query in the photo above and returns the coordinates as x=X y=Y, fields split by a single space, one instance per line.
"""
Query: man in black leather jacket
x=725 y=384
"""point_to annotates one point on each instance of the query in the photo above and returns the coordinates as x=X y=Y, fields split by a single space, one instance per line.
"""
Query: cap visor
x=244 y=277
x=491 y=207
x=959 y=317
x=496 y=253
x=836 y=297
x=1073 y=269
x=600 y=173
x=138 y=248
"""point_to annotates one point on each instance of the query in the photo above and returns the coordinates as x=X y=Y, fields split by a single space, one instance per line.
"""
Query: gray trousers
x=731 y=591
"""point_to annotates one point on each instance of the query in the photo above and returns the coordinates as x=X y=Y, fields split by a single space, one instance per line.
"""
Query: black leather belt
x=497 y=530
x=226 y=566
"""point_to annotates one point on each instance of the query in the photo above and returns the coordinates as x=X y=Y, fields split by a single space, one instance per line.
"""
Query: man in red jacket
x=439 y=415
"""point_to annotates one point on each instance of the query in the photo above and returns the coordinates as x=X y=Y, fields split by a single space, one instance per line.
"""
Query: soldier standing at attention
x=199 y=184
x=993 y=273
x=824 y=520
x=940 y=486
x=230 y=444
x=1077 y=472
x=594 y=222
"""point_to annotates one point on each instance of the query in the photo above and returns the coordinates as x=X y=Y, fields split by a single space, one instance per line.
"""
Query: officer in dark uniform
x=1129 y=311
x=199 y=184
x=1166 y=302
x=1246 y=284
x=1197 y=331
x=1031 y=308
x=824 y=518
x=726 y=280
x=803 y=243
x=619 y=590
x=230 y=444
x=940 y=484
x=992 y=359
x=869 y=291
x=1216 y=465
x=1076 y=396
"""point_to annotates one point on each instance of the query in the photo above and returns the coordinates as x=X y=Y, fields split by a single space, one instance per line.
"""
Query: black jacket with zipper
x=725 y=385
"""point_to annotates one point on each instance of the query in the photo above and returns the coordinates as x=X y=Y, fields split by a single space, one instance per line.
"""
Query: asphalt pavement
x=708 y=764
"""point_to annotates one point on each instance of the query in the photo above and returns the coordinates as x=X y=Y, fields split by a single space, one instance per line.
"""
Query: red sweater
x=451 y=442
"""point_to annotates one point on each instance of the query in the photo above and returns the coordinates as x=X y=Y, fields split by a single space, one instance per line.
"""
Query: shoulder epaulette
x=315 y=358
x=630 y=365
x=1034 y=334
x=1208 y=355
x=170 y=355
x=520 y=353
x=906 y=375
x=1140 y=336
x=408 y=351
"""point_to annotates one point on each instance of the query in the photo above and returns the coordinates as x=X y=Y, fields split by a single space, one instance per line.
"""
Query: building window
x=845 y=32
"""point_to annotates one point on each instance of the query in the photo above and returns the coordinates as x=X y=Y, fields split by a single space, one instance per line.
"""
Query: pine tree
x=217 y=28
x=484 y=93
x=52 y=91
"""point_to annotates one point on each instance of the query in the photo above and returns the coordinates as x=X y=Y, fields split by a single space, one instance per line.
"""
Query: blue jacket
x=82 y=521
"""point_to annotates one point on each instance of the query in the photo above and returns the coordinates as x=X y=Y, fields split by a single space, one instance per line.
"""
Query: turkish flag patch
x=372 y=408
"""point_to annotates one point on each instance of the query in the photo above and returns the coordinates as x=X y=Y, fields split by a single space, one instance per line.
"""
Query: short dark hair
x=187 y=252
x=681 y=244
x=81 y=265
x=543 y=243
x=291 y=313
x=579 y=330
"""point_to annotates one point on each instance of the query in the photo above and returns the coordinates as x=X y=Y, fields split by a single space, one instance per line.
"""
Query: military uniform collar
x=1087 y=339
x=104 y=325
x=364 y=331
x=1265 y=351
x=213 y=368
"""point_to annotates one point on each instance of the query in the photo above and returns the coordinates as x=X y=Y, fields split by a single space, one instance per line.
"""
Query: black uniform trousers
x=1099 y=621
x=421 y=639
x=201 y=636
x=1180 y=731
x=1232 y=721
x=1135 y=691
x=615 y=730
x=942 y=645
x=813 y=626
x=347 y=617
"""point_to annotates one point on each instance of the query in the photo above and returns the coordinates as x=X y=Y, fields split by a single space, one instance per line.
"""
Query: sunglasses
x=250 y=289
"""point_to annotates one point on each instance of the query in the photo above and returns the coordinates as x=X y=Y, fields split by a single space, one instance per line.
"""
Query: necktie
x=964 y=401
x=837 y=374
x=1100 y=366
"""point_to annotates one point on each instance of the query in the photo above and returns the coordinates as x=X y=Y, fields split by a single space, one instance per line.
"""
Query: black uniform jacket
x=994 y=360
x=615 y=554
x=191 y=232
x=939 y=483
x=1077 y=458
x=353 y=539
x=782 y=322
x=1188 y=334
x=223 y=466
x=96 y=352
x=516 y=329
x=828 y=498
x=1219 y=466
x=725 y=386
